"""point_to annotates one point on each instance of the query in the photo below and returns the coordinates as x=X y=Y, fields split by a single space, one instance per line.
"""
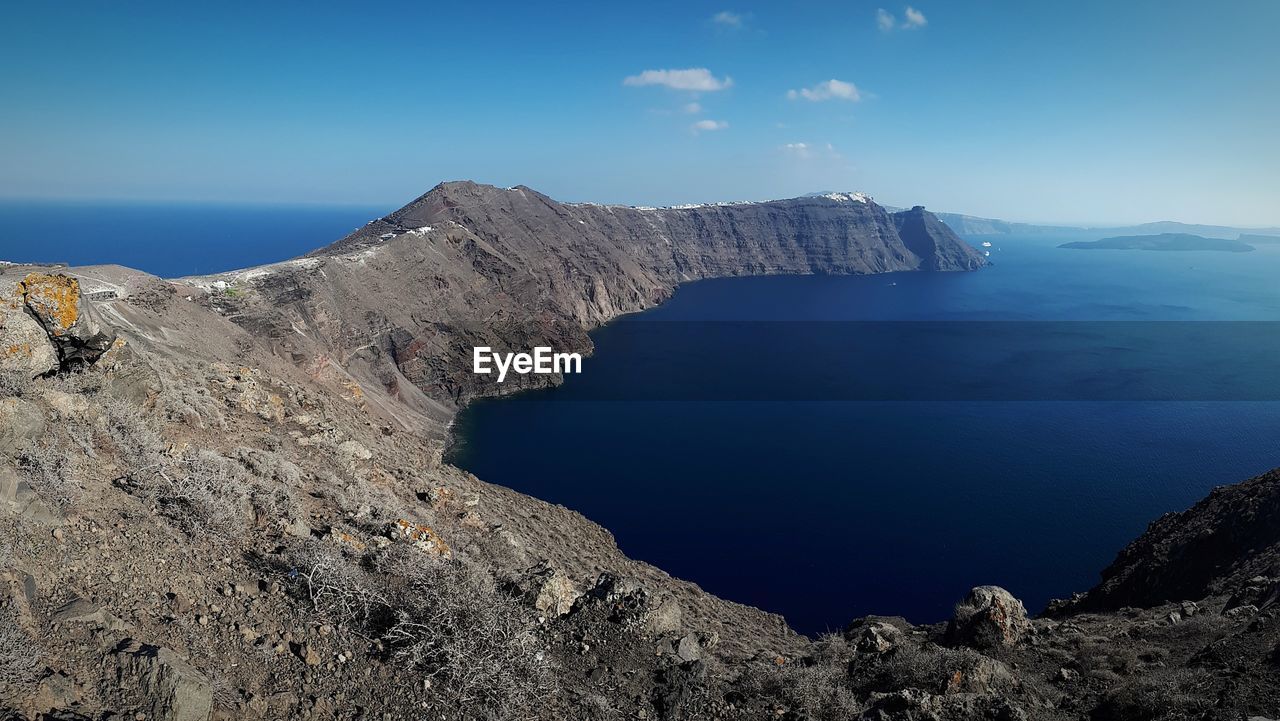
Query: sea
x=830 y=447
x=173 y=239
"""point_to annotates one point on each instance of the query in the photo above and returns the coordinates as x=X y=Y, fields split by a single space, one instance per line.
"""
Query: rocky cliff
x=223 y=497
x=400 y=302
x=1225 y=544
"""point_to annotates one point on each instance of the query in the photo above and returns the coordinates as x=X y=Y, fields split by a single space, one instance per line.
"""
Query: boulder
x=977 y=674
x=18 y=498
x=79 y=610
x=24 y=346
x=21 y=423
x=67 y=319
x=171 y=688
x=666 y=616
x=988 y=618
x=877 y=637
x=689 y=648
x=551 y=590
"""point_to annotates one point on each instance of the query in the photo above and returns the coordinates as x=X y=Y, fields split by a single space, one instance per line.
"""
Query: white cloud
x=799 y=150
x=827 y=90
x=885 y=20
x=708 y=126
x=911 y=20
x=693 y=108
x=695 y=79
x=805 y=151
x=727 y=19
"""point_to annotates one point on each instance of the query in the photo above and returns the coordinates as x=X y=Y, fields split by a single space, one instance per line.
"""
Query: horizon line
x=213 y=202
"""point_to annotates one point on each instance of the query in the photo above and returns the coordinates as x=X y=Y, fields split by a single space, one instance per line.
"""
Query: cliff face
x=835 y=233
x=1223 y=545
x=469 y=264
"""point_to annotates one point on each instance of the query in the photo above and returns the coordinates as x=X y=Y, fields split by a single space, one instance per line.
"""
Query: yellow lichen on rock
x=421 y=537
x=346 y=539
x=25 y=345
x=54 y=298
x=353 y=389
x=23 y=349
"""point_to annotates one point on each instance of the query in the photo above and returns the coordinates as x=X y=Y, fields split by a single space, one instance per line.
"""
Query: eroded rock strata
x=223 y=497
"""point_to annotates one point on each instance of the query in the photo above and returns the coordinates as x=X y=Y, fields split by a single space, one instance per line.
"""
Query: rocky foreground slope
x=223 y=497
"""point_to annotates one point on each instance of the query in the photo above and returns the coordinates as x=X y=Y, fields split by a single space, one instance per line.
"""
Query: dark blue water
x=824 y=511
x=170 y=240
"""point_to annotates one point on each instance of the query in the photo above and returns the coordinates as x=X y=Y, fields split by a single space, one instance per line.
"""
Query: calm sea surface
x=824 y=511
x=170 y=240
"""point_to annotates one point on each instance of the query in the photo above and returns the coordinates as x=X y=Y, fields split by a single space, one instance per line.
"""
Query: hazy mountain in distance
x=1255 y=238
x=1162 y=241
x=976 y=225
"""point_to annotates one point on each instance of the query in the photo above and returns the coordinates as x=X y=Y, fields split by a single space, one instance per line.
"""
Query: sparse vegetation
x=1175 y=695
x=200 y=490
x=50 y=470
x=194 y=407
x=205 y=492
x=446 y=620
x=137 y=442
x=340 y=592
x=453 y=624
x=817 y=688
x=14 y=384
x=19 y=654
x=79 y=379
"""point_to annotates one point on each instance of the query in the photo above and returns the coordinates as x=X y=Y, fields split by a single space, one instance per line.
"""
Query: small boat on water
x=986 y=244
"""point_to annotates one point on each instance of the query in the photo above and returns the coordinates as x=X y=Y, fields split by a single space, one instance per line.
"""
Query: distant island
x=1255 y=239
x=1162 y=241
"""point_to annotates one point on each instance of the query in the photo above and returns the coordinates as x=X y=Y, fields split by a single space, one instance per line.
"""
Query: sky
x=1082 y=112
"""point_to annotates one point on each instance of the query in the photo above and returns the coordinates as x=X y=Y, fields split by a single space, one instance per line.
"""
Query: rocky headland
x=1162 y=242
x=223 y=497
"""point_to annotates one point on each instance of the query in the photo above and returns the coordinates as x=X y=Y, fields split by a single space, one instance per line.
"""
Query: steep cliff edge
x=401 y=301
x=1224 y=544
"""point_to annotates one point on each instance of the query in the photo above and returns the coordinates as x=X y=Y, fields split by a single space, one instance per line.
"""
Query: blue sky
x=1082 y=111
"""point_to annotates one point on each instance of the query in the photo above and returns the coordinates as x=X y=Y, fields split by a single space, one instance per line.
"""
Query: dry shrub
x=453 y=624
x=19 y=655
x=80 y=380
x=205 y=492
x=364 y=502
x=817 y=688
x=270 y=466
x=49 y=469
x=340 y=592
x=928 y=666
x=138 y=443
x=194 y=407
x=444 y=620
x=200 y=490
x=1175 y=695
x=15 y=385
